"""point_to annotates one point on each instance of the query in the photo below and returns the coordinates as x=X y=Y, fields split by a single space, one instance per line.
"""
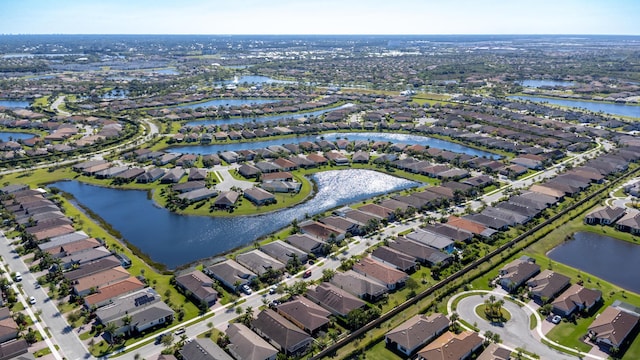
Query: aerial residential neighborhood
x=317 y=195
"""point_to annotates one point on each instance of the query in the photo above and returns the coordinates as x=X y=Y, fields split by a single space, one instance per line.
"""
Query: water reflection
x=174 y=239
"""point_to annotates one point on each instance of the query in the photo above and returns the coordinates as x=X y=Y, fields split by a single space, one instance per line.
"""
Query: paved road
x=514 y=332
x=70 y=346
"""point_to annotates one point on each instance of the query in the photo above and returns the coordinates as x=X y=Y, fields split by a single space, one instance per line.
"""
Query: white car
x=556 y=319
x=32 y=300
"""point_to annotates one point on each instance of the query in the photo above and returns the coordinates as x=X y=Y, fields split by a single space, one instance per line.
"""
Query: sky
x=424 y=17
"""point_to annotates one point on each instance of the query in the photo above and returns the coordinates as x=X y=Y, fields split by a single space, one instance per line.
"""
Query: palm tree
x=110 y=329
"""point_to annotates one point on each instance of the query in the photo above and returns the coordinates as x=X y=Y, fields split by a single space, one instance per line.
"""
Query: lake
x=4 y=136
x=595 y=106
x=14 y=103
x=541 y=83
x=175 y=240
x=610 y=259
x=226 y=103
x=259 y=119
x=255 y=79
x=390 y=137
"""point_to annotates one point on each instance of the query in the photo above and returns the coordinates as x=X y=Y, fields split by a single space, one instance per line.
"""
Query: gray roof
x=434 y=240
x=358 y=285
x=258 y=262
x=247 y=345
x=63 y=239
x=305 y=242
x=394 y=257
x=421 y=251
x=203 y=349
x=418 y=330
x=281 y=331
x=283 y=252
x=334 y=299
x=128 y=304
x=230 y=273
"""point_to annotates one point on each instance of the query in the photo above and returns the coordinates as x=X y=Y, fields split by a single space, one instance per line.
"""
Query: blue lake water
x=610 y=259
x=175 y=240
x=390 y=137
x=4 y=136
x=163 y=71
x=256 y=79
x=14 y=103
x=264 y=118
x=540 y=83
x=614 y=109
x=227 y=102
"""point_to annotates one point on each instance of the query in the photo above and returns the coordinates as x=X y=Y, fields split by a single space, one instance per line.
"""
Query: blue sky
x=320 y=17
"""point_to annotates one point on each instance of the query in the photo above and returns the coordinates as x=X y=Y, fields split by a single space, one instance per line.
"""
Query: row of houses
x=610 y=328
x=627 y=220
x=93 y=272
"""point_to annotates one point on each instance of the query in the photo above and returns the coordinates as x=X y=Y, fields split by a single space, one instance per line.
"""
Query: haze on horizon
x=615 y=17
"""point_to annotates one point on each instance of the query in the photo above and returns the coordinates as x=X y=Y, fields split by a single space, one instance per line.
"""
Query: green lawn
x=380 y=352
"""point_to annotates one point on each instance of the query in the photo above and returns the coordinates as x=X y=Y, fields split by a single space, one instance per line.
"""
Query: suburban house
x=284 y=252
x=143 y=308
x=259 y=196
x=576 y=298
x=612 y=326
x=395 y=258
x=423 y=253
x=321 y=231
x=334 y=299
x=226 y=200
x=359 y=285
x=495 y=352
x=8 y=327
x=203 y=349
x=306 y=243
x=14 y=349
x=91 y=283
x=199 y=286
x=281 y=333
x=244 y=344
x=546 y=285
x=434 y=240
x=104 y=295
x=305 y=314
x=416 y=332
x=230 y=274
x=629 y=223
x=259 y=262
x=604 y=216
x=452 y=346
x=389 y=276
x=517 y=272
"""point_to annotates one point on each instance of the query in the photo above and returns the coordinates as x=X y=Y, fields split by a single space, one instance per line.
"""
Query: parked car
x=556 y=319
x=306 y=274
x=245 y=289
x=18 y=276
x=32 y=300
x=180 y=331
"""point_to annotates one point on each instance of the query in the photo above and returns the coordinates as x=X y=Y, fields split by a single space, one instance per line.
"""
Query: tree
x=110 y=329
x=166 y=340
x=327 y=274
x=30 y=336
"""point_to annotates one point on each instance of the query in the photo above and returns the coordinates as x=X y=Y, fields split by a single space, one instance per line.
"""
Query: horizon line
x=303 y=34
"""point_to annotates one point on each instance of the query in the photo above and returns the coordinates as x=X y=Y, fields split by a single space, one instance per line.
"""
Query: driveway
x=514 y=332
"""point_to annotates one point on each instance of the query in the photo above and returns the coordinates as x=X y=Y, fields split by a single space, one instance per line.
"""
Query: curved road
x=515 y=332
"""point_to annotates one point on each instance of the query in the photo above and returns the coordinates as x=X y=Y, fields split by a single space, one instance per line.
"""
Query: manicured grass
x=380 y=352
x=533 y=321
x=569 y=334
x=504 y=314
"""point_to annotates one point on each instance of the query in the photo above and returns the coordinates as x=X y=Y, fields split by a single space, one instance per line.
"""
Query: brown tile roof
x=613 y=325
x=418 y=330
x=576 y=295
x=111 y=291
x=451 y=346
x=384 y=273
x=102 y=278
x=304 y=313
